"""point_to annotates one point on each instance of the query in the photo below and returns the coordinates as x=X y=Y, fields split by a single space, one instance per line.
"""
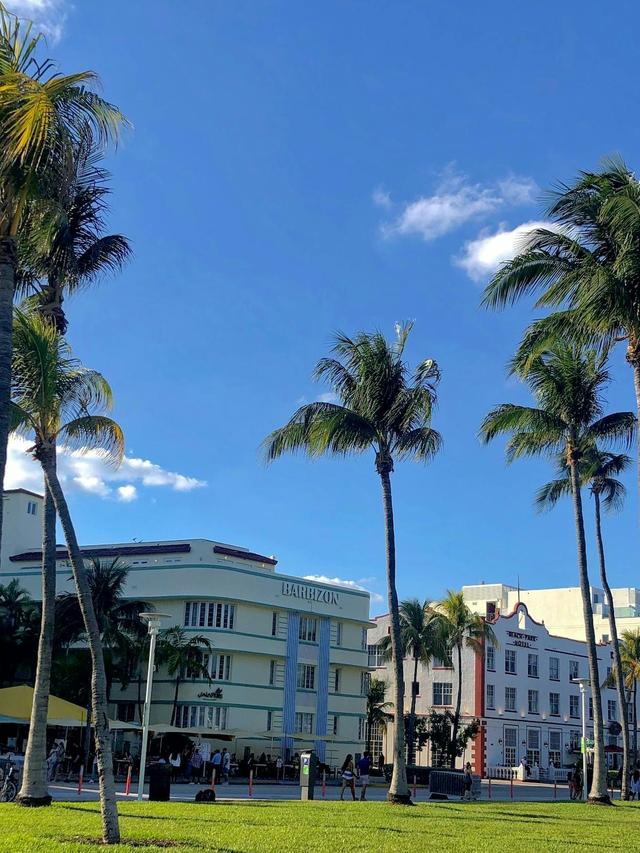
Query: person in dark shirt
x=364 y=766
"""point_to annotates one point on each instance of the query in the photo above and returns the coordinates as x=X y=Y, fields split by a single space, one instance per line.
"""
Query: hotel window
x=209 y=614
x=365 y=681
x=533 y=701
x=532 y=666
x=375 y=655
x=31 y=510
x=554 y=669
x=510 y=698
x=491 y=658
x=590 y=708
x=442 y=693
x=629 y=712
x=338 y=633
x=510 y=661
x=306 y=676
x=533 y=746
x=304 y=723
x=201 y=716
x=574 y=669
x=555 y=747
x=362 y=728
x=363 y=640
x=274 y=624
x=308 y=629
x=554 y=704
x=126 y=712
x=612 y=709
x=491 y=697
x=442 y=663
x=337 y=676
x=510 y=745
x=269 y=721
x=272 y=672
x=220 y=667
x=376 y=741
x=574 y=740
x=574 y=707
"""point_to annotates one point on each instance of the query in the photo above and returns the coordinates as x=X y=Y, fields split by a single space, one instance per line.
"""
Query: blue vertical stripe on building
x=322 y=686
x=290 y=682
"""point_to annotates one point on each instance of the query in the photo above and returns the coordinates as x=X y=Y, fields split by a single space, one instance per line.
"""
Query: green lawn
x=449 y=827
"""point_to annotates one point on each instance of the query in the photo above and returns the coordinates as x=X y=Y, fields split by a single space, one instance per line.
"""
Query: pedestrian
x=279 y=767
x=52 y=763
x=175 y=760
x=226 y=765
x=348 y=777
x=217 y=765
x=364 y=766
x=195 y=765
x=467 y=782
x=635 y=785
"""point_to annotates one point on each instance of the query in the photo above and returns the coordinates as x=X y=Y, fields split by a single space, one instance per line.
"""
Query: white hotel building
x=520 y=690
x=289 y=667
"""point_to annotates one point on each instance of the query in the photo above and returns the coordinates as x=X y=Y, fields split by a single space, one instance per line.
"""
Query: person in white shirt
x=226 y=764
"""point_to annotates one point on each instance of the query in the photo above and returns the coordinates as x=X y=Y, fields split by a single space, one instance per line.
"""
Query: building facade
x=522 y=690
x=288 y=667
x=561 y=608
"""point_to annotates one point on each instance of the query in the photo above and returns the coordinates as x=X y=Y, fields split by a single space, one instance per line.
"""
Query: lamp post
x=153 y=620
x=584 y=683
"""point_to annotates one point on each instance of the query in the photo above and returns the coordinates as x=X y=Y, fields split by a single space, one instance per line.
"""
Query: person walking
x=195 y=765
x=175 y=760
x=635 y=785
x=364 y=766
x=467 y=783
x=217 y=765
x=348 y=777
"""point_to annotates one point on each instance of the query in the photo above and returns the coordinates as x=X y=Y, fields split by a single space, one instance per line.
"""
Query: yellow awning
x=15 y=702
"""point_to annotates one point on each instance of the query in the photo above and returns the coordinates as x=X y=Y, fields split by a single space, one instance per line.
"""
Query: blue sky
x=299 y=168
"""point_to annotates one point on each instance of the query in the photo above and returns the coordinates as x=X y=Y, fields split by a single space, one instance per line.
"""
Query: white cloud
x=328 y=397
x=455 y=202
x=381 y=198
x=127 y=493
x=89 y=473
x=482 y=257
x=346 y=583
x=49 y=16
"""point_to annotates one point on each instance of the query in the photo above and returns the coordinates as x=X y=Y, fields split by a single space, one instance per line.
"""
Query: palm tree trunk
x=174 y=710
x=398 y=789
x=8 y=262
x=617 y=662
x=456 y=716
x=411 y=736
x=34 y=790
x=635 y=724
x=633 y=358
x=99 y=698
x=598 y=792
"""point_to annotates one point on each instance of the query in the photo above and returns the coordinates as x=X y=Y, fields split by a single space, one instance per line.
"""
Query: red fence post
x=127 y=784
x=213 y=778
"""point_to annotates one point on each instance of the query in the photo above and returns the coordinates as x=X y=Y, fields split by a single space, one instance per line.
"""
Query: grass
x=451 y=827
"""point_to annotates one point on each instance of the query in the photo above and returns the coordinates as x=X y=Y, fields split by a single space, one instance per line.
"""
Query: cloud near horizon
x=375 y=597
x=89 y=473
x=48 y=16
x=481 y=257
x=455 y=202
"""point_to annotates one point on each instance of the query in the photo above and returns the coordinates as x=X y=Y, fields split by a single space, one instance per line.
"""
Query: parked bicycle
x=9 y=788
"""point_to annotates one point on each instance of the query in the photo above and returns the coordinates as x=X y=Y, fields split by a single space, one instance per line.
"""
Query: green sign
x=305 y=769
x=586 y=743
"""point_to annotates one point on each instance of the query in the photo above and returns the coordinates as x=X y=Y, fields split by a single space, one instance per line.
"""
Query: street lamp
x=153 y=620
x=584 y=683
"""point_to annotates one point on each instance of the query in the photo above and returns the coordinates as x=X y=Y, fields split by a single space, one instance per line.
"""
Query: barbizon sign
x=309 y=593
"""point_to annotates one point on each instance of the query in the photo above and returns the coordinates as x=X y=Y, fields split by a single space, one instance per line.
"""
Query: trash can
x=159 y=782
x=308 y=773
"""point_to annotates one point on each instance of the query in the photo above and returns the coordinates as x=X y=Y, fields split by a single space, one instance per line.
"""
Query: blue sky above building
x=296 y=169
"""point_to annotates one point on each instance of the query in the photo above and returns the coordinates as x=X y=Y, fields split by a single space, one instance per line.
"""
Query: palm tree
x=599 y=470
x=567 y=383
x=588 y=263
x=382 y=408
x=56 y=399
x=42 y=115
x=181 y=653
x=630 y=657
x=422 y=638
x=378 y=709
x=462 y=628
x=18 y=630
